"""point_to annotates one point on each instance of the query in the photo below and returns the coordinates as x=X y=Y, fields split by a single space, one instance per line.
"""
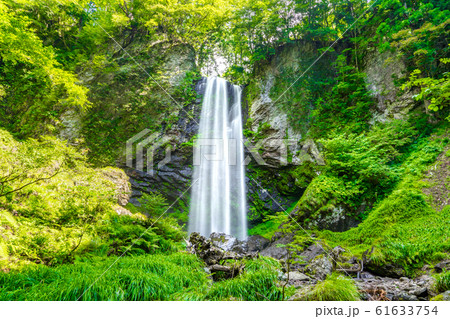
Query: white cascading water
x=218 y=200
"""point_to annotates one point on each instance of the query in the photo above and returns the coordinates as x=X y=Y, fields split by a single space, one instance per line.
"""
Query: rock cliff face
x=282 y=148
x=381 y=70
x=172 y=178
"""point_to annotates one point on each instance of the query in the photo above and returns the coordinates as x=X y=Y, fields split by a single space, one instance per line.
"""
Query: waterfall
x=218 y=199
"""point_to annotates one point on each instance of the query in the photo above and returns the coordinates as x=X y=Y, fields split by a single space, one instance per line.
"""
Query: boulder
x=257 y=243
x=301 y=294
x=443 y=265
x=319 y=267
x=311 y=252
x=384 y=270
x=214 y=256
x=210 y=254
x=223 y=241
x=296 y=275
x=276 y=249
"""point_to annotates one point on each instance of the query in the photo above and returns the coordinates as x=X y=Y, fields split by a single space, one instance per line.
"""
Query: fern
x=6 y=219
x=3 y=250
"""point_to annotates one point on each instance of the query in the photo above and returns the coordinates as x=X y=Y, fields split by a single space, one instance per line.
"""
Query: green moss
x=270 y=225
x=321 y=197
x=127 y=101
x=437 y=298
x=304 y=174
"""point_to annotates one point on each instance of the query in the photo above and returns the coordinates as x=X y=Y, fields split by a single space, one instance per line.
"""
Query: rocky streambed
x=316 y=264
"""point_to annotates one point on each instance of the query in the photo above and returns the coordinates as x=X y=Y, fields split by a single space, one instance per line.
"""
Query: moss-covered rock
x=322 y=205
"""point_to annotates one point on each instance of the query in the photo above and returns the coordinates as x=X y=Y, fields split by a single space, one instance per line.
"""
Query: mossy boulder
x=320 y=267
x=321 y=205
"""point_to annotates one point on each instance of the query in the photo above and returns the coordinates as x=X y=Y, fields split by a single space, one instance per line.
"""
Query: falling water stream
x=218 y=200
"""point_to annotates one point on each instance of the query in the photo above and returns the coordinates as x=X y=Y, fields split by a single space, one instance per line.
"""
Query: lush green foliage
x=360 y=170
x=60 y=224
x=54 y=206
x=388 y=226
x=149 y=277
x=178 y=276
x=34 y=87
x=347 y=104
x=334 y=288
x=269 y=227
x=437 y=91
x=442 y=282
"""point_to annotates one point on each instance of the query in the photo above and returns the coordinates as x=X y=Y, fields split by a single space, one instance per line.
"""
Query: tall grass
x=178 y=276
x=442 y=282
x=335 y=288
x=149 y=277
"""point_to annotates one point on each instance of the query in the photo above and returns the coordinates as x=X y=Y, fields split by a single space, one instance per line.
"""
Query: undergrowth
x=442 y=282
x=334 y=288
x=389 y=225
x=177 y=276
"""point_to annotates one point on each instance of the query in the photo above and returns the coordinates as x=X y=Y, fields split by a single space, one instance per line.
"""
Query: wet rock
x=215 y=257
x=443 y=265
x=319 y=267
x=265 y=196
x=296 y=275
x=135 y=201
x=420 y=292
x=173 y=178
x=223 y=241
x=275 y=251
x=366 y=275
x=210 y=254
x=311 y=252
x=446 y=296
x=257 y=243
x=301 y=294
x=384 y=270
